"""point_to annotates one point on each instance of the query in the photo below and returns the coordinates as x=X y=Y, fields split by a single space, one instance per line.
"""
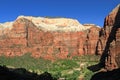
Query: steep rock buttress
x=109 y=41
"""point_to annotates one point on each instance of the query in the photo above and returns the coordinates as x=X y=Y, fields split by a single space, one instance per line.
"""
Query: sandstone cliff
x=109 y=41
x=49 y=38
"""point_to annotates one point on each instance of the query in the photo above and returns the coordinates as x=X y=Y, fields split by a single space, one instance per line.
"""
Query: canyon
x=60 y=38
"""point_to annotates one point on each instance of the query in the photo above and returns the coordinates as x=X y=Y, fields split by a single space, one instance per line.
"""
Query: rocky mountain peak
x=56 y=24
x=110 y=19
x=115 y=9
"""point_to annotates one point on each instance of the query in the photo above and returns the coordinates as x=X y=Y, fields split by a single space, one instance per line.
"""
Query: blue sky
x=86 y=11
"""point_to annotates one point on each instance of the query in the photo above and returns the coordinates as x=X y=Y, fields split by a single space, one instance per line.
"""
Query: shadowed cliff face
x=109 y=42
x=109 y=47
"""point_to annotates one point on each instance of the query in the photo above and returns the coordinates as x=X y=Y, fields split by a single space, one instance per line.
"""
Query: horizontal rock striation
x=49 y=38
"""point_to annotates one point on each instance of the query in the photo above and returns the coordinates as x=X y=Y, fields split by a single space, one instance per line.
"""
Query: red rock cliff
x=48 y=38
x=109 y=41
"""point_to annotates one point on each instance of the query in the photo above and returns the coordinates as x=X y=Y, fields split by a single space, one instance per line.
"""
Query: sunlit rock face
x=109 y=42
x=49 y=38
x=55 y=24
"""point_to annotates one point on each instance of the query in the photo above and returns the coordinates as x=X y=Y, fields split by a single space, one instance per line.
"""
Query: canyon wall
x=109 y=41
x=49 y=38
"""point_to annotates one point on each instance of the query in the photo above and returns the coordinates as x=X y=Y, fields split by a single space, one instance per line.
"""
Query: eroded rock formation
x=109 y=42
x=49 y=38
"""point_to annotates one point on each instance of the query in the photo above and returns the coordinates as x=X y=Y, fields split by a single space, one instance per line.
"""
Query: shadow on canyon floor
x=95 y=68
x=22 y=74
x=109 y=75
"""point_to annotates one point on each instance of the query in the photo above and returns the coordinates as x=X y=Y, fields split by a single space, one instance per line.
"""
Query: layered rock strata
x=49 y=38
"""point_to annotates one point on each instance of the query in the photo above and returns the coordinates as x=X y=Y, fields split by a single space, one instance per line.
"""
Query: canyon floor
x=77 y=68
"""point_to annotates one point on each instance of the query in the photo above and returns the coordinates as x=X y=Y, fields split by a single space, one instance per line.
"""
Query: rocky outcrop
x=49 y=38
x=109 y=41
x=55 y=24
x=92 y=38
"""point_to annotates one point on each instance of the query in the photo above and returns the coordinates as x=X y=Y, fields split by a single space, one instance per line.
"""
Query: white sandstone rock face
x=90 y=25
x=5 y=25
x=51 y=24
x=56 y=24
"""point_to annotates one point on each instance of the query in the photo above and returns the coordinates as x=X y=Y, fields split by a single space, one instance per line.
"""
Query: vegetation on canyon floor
x=69 y=69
